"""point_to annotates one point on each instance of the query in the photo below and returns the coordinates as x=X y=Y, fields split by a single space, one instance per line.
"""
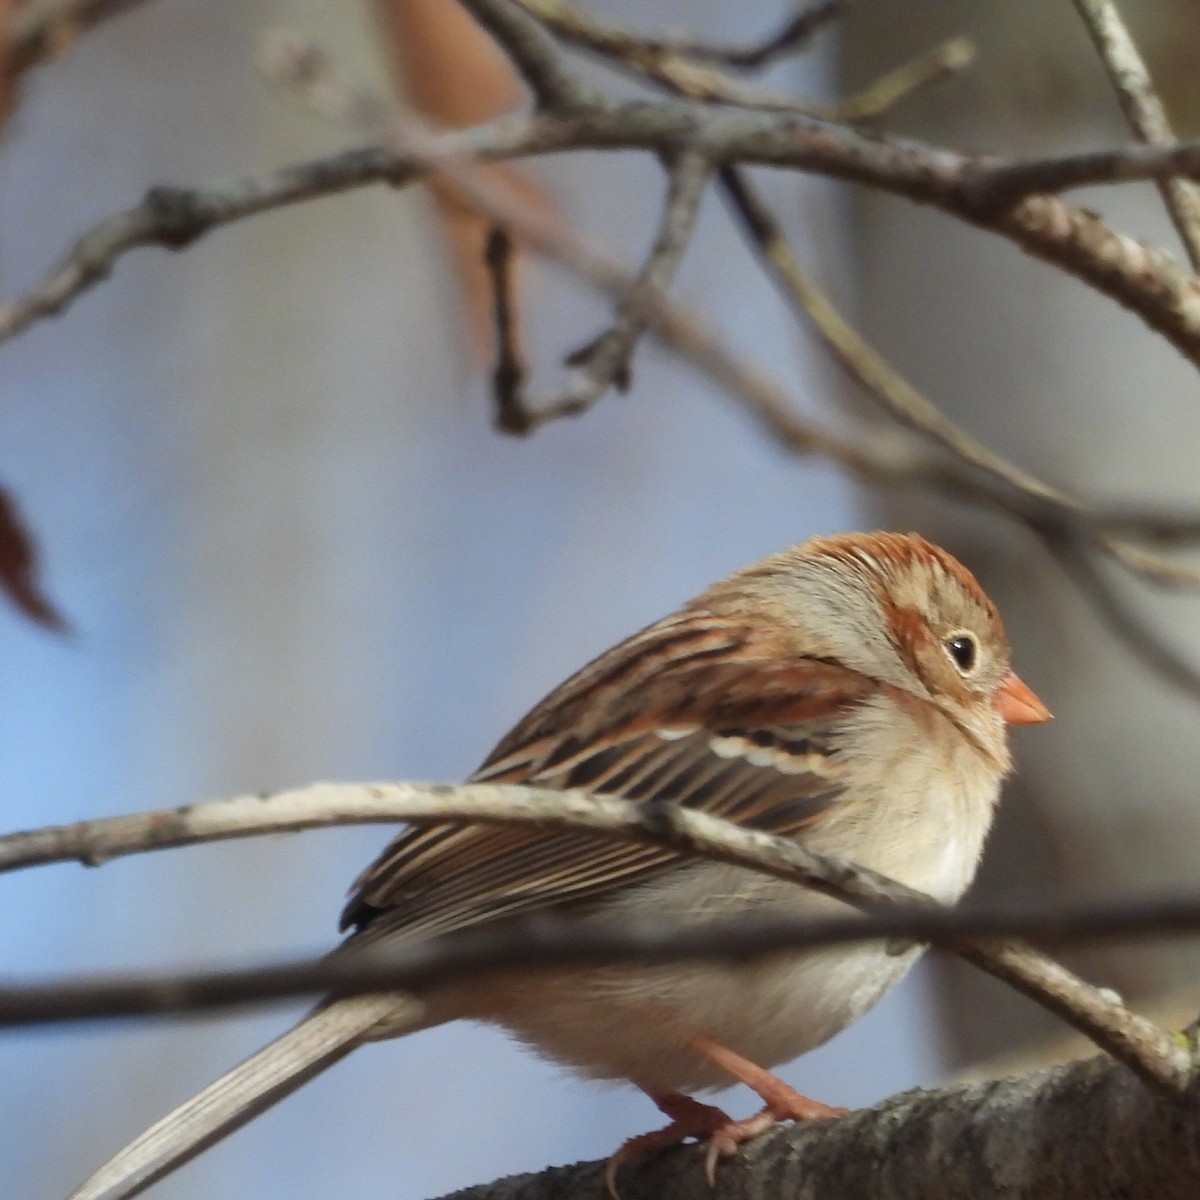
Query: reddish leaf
x=19 y=568
x=453 y=73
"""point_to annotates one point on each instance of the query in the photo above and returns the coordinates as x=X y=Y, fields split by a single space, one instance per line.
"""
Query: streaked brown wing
x=736 y=729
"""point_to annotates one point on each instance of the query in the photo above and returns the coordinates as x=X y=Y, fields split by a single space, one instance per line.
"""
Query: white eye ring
x=963 y=649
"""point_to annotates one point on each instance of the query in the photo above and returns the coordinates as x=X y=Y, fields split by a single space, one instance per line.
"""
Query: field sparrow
x=852 y=692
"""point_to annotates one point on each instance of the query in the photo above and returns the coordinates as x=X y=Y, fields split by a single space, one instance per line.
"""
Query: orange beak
x=1017 y=704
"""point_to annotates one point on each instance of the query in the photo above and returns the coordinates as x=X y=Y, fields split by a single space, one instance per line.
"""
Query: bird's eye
x=963 y=649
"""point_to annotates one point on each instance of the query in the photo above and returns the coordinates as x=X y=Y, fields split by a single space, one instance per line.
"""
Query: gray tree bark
x=1085 y=1131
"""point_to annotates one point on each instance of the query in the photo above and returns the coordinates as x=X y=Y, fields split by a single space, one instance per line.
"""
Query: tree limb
x=532 y=943
x=534 y=53
x=1143 y=110
x=42 y=29
x=1085 y=1131
x=986 y=191
x=1136 y=274
x=1149 y=1052
x=604 y=362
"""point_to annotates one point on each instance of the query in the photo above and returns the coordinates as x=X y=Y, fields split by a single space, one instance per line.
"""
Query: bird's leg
x=707 y=1123
x=689 y=1119
x=781 y=1102
x=780 y=1098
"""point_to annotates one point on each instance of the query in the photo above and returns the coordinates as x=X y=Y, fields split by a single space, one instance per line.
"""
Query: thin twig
x=659 y=61
x=43 y=29
x=604 y=362
x=1042 y=508
x=1153 y=1054
x=792 y=36
x=998 y=184
x=948 y=58
x=509 y=373
x=1152 y=568
x=1143 y=110
x=531 y=943
x=534 y=53
x=901 y=402
x=174 y=217
x=1157 y=527
x=896 y=397
x=684 y=70
x=1160 y=656
x=979 y=190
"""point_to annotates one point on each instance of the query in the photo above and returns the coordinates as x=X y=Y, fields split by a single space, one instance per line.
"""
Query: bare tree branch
x=947 y=58
x=548 y=941
x=604 y=362
x=175 y=217
x=894 y=395
x=1000 y=184
x=645 y=298
x=42 y=29
x=534 y=53
x=690 y=70
x=1119 y=615
x=1147 y=1050
x=979 y=190
x=509 y=371
x=660 y=62
x=1143 y=110
x=1084 y=1131
x=791 y=37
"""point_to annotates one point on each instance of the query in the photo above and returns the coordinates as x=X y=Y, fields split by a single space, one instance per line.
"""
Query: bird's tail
x=321 y=1039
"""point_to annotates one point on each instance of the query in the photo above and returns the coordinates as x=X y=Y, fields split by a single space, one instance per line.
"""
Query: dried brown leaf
x=454 y=74
x=20 y=570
